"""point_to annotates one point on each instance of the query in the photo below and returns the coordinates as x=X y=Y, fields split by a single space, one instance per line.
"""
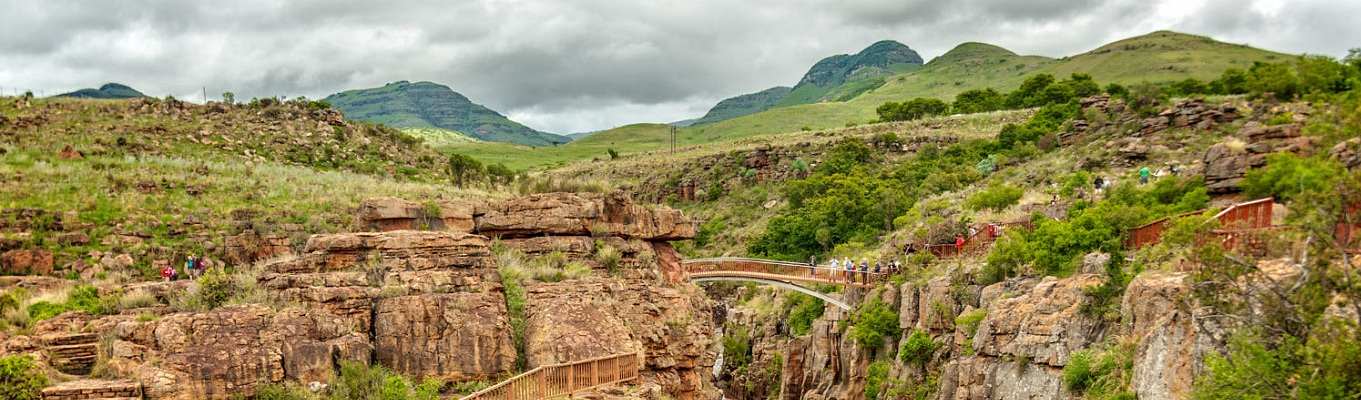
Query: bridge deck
x=782 y=270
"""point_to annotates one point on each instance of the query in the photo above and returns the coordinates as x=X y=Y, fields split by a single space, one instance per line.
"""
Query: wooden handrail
x=559 y=380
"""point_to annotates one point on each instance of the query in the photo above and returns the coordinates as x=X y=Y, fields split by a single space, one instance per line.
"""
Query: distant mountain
x=405 y=105
x=684 y=123
x=108 y=91
x=746 y=104
x=881 y=59
x=581 y=135
x=836 y=78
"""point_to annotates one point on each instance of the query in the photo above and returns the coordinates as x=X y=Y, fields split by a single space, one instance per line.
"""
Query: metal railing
x=791 y=271
x=560 y=380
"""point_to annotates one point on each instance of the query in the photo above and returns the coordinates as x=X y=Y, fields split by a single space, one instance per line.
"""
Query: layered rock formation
x=426 y=303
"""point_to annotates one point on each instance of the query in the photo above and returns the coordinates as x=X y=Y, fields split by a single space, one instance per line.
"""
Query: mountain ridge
x=403 y=105
x=109 y=90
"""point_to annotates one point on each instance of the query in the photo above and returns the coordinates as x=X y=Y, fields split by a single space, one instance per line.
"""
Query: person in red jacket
x=959 y=244
x=167 y=273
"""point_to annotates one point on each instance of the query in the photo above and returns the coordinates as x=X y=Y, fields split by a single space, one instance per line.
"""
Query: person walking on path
x=1143 y=175
x=189 y=266
x=959 y=244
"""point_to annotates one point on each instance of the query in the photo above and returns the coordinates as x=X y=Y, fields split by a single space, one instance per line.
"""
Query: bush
x=607 y=255
x=358 y=381
x=875 y=378
x=917 y=349
x=21 y=378
x=284 y=391
x=803 y=309
x=873 y=323
x=997 y=197
x=970 y=321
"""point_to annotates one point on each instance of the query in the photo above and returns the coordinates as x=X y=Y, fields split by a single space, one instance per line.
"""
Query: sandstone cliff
x=421 y=293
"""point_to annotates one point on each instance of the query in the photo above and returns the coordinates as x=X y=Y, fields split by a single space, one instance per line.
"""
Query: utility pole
x=673 y=140
x=205 y=95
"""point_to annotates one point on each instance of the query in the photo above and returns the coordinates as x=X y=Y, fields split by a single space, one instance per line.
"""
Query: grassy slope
x=182 y=191
x=439 y=137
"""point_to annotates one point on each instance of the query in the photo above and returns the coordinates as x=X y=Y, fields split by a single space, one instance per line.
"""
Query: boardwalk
x=561 y=380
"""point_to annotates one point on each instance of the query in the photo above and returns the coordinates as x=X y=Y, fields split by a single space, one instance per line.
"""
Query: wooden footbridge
x=562 y=380
x=784 y=274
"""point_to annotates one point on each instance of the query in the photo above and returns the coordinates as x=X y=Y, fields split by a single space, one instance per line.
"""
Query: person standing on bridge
x=835 y=265
x=849 y=272
x=812 y=265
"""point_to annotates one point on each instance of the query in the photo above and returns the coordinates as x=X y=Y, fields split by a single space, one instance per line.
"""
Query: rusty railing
x=560 y=380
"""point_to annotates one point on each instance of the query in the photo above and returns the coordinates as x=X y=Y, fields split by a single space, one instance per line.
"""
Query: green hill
x=746 y=104
x=834 y=78
x=1159 y=57
x=429 y=105
x=883 y=58
x=108 y=91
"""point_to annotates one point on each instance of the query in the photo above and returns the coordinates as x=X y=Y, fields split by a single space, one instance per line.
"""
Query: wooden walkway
x=782 y=271
x=560 y=380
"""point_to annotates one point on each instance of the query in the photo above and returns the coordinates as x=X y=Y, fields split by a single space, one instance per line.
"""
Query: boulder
x=24 y=262
x=975 y=377
x=381 y=214
x=74 y=239
x=1225 y=167
x=454 y=336
x=1259 y=133
x=1348 y=153
x=1042 y=324
x=249 y=247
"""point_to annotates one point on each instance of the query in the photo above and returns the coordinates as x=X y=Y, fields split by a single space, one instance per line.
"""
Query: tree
x=463 y=169
x=229 y=97
x=500 y=174
x=912 y=109
x=1273 y=78
x=977 y=101
x=1026 y=95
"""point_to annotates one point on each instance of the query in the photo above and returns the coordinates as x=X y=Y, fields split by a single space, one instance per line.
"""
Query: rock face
x=402 y=250
x=455 y=336
x=565 y=214
x=427 y=303
x=391 y=214
x=230 y=351
x=669 y=327
x=1173 y=342
x=1227 y=163
x=1042 y=324
x=27 y=262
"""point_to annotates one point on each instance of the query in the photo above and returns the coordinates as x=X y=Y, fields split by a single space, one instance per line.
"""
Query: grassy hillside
x=1162 y=57
x=438 y=137
x=1159 y=57
x=430 y=105
x=158 y=178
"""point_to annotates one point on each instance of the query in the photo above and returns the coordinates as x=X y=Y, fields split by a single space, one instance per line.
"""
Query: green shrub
x=970 y=321
x=997 y=197
x=917 y=349
x=803 y=309
x=608 y=256
x=873 y=323
x=283 y=391
x=21 y=378
x=875 y=378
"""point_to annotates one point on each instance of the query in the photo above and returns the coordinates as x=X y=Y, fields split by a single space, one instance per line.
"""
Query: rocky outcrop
x=455 y=336
x=1226 y=163
x=566 y=214
x=26 y=262
x=231 y=351
x=1042 y=324
x=1348 y=153
x=399 y=250
x=593 y=317
x=248 y=247
x=391 y=214
x=975 y=377
x=93 y=389
x=1173 y=339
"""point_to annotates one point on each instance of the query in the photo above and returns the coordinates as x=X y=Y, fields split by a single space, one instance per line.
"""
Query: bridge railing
x=797 y=271
x=560 y=380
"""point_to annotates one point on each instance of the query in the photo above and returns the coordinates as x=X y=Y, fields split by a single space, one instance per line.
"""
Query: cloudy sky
x=578 y=65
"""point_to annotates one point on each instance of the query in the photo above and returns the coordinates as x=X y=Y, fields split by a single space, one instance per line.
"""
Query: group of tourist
x=850 y=269
x=193 y=265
